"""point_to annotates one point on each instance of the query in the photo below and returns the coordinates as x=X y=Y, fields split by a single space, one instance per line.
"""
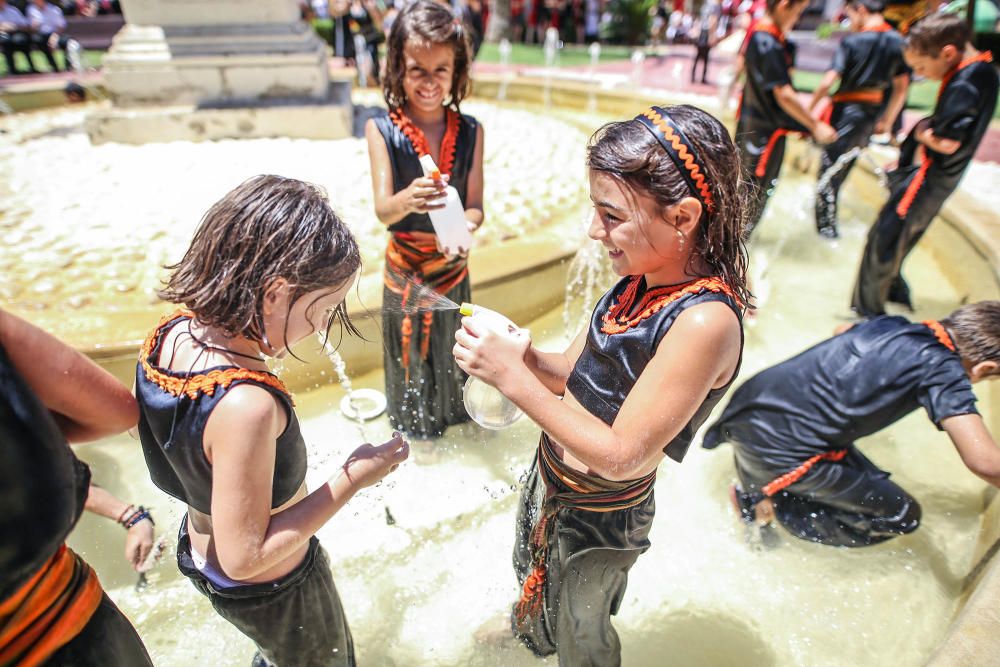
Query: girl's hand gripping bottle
x=486 y=405
x=449 y=222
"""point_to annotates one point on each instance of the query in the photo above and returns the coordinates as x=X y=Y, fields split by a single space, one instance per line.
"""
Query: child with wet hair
x=268 y=267
x=662 y=348
x=793 y=426
x=770 y=107
x=933 y=157
x=426 y=79
x=873 y=80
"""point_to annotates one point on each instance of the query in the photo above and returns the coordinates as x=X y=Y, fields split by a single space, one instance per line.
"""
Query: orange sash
x=49 y=610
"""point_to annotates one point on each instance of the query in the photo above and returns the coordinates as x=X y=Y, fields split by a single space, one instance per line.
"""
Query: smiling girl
x=662 y=348
x=427 y=77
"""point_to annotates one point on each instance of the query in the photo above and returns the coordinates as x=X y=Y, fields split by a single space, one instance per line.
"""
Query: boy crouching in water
x=793 y=426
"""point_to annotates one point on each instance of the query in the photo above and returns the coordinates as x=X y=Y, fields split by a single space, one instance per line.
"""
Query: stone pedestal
x=195 y=70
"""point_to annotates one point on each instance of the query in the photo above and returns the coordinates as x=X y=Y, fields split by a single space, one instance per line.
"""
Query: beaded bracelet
x=139 y=515
x=121 y=517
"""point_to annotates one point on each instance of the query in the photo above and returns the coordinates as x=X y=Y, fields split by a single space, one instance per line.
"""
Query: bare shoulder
x=247 y=409
x=714 y=320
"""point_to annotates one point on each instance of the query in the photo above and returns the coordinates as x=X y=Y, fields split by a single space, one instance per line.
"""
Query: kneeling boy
x=793 y=425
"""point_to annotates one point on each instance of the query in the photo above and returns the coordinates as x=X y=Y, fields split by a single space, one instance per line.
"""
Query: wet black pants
x=756 y=157
x=891 y=239
x=108 y=640
x=849 y=503
x=296 y=621
x=589 y=557
x=854 y=124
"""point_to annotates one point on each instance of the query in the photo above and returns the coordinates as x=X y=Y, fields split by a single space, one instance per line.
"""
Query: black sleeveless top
x=43 y=485
x=174 y=407
x=611 y=363
x=406 y=165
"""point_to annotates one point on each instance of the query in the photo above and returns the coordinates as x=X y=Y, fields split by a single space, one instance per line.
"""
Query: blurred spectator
x=89 y=8
x=705 y=39
x=591 y=21
x=75 y=93
x=471 y=14
x=14 y=36
x=48 y=27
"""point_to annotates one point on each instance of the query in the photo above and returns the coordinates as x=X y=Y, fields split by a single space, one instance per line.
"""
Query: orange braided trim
x=984 y=57
x=790 y=478
x=766 y=155
x=202 y=383
x=906 y=201
x=882 y=27
x=770 y=29
x=685 y=155
x=446 y=154
x=654 y=301
x=862 y=96
x=940 y=333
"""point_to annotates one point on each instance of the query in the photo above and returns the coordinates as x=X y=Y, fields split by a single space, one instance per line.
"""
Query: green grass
x=91 y=59
x=570 y=55
x=921 y=97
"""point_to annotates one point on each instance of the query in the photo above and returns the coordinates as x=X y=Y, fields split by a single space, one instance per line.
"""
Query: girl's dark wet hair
x=427 y=22
x=268 y=227
x=629 y=152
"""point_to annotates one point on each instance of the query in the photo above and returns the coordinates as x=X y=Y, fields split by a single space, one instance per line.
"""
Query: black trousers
x=891 y=239
x=752 y=144
x=848 y=503
x=296 y=621
x=854 y=124
x=108 y=639
x=40 y=41
x=11 y=43
x=589 y=558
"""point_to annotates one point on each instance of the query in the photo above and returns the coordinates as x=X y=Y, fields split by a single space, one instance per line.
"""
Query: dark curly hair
x=629 y=152
x=427 y=22
x=268 y=227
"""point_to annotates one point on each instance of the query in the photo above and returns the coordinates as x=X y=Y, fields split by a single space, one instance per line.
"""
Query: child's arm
x=975 y=445
x=85 y=400
x=474 y=187
x=553 y=368
x=823 y=89
x=241 y=434
x=788 y=100
x=924 y=134
x=900 y=85
x=139 y=539
x=699 y=352
x=390 y=206
x=739 y=69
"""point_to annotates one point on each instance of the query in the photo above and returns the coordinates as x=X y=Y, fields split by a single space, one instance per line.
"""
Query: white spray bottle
x=485 y=404
x=449 y=222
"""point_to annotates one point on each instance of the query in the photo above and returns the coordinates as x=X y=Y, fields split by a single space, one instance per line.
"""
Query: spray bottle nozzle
x=467 y=308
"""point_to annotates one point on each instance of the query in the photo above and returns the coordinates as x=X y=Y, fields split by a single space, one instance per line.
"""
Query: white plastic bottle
x=450 y=225
x=485 y=404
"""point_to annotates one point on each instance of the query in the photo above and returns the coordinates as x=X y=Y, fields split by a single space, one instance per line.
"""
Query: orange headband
x=670 y=136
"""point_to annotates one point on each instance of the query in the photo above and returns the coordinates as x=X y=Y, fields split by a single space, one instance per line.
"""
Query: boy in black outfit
x=933 y=157
x=873 y=82
x=770 y=107
x=793 y=426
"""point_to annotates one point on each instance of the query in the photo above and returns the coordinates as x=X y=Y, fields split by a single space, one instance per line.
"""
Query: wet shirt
x=405 y=164
x=845 y=388
x=963 y=112
x=611 y=363
x=768 y=64
x=174 y=407
x=869 y=60
x=44 y=486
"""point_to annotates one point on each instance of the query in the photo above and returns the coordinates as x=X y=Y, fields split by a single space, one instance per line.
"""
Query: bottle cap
x=467 y=308
x=429 y=167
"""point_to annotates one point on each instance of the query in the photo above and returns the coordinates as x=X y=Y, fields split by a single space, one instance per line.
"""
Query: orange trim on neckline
x=883 y=27
x=654 y=300
x=940 y=333
x=449 y=142
x=198 y=383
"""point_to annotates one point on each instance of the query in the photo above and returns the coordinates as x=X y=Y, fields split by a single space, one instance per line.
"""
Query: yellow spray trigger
x=467 y=308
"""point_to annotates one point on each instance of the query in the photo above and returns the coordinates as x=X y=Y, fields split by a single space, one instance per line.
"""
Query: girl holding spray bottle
x=426 y=78
x=662 y=348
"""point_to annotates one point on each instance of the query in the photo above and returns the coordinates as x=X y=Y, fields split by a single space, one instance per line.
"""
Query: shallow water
x=415 y=591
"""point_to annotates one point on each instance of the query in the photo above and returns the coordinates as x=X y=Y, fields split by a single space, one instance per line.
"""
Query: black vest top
x=43 y=485
x=406 y=165
x=172 y=425
x=610 y=364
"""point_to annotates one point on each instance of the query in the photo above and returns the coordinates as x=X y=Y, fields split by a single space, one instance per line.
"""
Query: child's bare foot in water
x=496 y=631
x=757 y=518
